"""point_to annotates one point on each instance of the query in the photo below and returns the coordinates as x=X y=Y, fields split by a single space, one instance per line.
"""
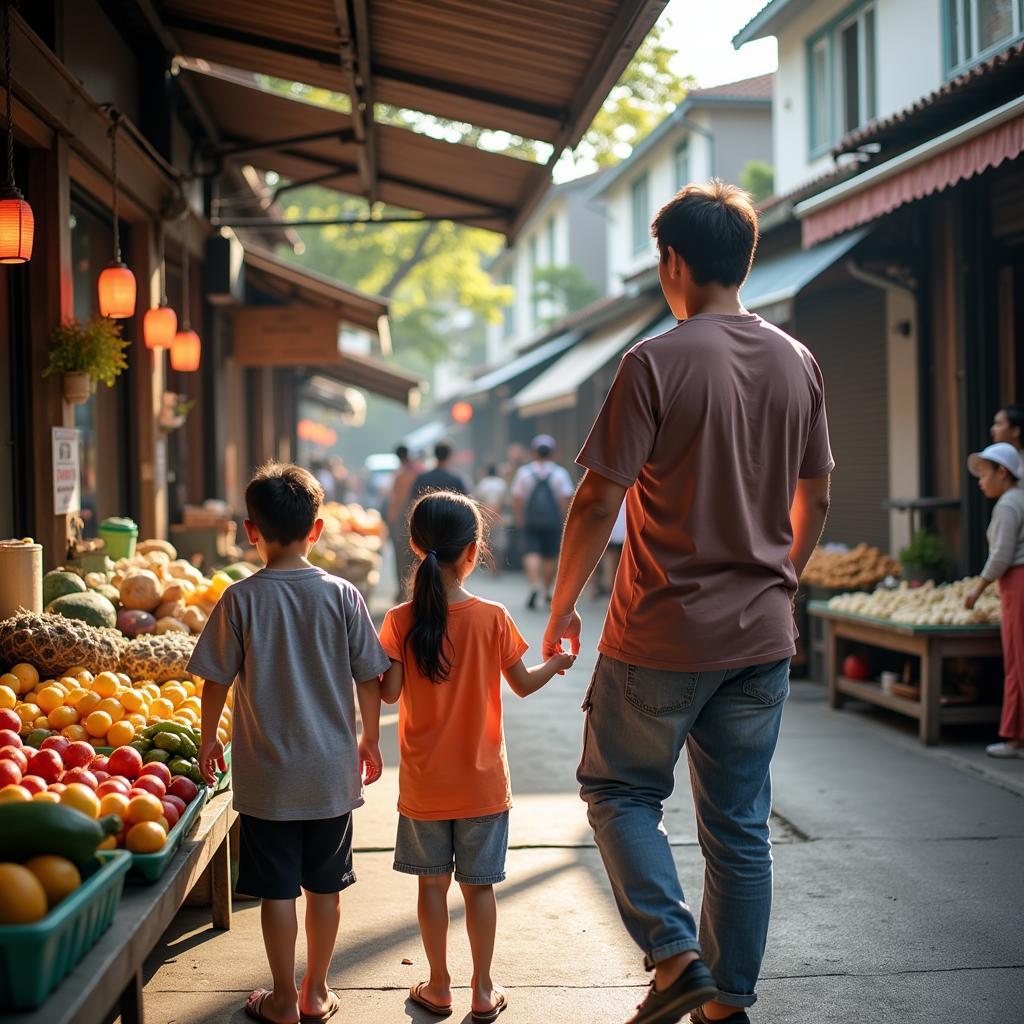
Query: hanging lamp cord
x=113 y=166
x=184 y=275
x=163 y=264
x=7 y=86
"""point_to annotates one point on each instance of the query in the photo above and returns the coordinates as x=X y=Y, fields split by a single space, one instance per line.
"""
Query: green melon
x=60 y=582
x=91 y=608
x=238 y=571
x=112 y=594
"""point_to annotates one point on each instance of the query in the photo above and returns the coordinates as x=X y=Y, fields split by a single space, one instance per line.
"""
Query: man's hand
x=972 y=597
x=560 y=663
x=562 y=627
x=371 y=764
x=211 y=760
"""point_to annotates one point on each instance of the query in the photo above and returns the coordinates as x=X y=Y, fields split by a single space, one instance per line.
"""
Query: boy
x=295 y=638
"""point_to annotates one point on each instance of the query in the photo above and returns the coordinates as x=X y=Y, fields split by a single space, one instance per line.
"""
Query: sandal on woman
x=332 y=1007
x=485 y=1016
x=254 y=1006
x=415 y=994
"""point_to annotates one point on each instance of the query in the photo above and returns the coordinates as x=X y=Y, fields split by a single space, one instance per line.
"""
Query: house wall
x=739 y=137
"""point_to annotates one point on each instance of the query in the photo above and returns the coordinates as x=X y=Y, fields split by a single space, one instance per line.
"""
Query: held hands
x=211 y=760
x=562 y=627
x=371 y=764
x=557 y=664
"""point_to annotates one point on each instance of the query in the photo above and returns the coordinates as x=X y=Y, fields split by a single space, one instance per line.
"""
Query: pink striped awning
x=978 y=154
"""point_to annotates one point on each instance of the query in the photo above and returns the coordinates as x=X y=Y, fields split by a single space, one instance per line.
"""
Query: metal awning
x=780 y=277
x=373 y=375
x=556 y=387
x=523 y=364
x=539 y=70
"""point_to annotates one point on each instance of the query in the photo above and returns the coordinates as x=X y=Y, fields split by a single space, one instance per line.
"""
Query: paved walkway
x=899 y=884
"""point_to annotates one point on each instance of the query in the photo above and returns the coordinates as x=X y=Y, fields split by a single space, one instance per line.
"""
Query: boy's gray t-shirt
x=291 y=642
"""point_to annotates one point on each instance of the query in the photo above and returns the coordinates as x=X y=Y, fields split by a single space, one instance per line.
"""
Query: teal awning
x=523 y=364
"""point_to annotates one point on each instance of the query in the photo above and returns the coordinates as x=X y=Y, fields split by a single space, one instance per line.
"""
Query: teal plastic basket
x=148 y=867
x=35 y=958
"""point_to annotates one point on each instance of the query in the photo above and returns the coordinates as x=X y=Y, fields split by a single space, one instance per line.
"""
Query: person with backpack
x=540 y=493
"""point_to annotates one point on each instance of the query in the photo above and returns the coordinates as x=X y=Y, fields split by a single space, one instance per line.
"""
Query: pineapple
x=53 y=643
x=158 y=658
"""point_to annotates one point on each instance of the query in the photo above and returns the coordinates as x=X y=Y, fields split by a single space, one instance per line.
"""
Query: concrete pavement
x=899 y=883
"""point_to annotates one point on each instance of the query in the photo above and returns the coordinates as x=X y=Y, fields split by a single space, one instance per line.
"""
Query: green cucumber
x=188 y=748
x=143 y=746
x=34 y=828
x=169 y=741
x=156 y=754
x=179 y=766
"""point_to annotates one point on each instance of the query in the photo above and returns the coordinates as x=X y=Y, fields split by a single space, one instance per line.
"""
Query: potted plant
x=925 y=558
x=86 y=355
x=173 y=410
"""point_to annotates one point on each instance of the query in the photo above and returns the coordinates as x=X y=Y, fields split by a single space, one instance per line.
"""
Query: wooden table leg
x=835 y=698
x=130 y=1003
x=931 y=692
x=220 y=874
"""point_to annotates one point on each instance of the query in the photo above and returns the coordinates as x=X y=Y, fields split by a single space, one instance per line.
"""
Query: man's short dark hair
x=283 y=501
x=402 y=452
x=543 y=451
x=442 y=451
x=712 y=228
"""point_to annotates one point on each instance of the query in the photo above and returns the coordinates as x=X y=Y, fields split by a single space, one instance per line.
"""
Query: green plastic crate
x=35 y=958
x=148 y=867
x=224 y=777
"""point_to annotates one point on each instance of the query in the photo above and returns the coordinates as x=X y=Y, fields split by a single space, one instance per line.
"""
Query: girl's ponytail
x=442 y=524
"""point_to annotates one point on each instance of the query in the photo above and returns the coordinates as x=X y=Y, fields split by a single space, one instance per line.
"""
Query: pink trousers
x=1011 y=592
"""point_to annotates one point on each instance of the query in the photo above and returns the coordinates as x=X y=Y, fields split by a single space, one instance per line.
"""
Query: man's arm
x=591 y=518
x=808 y=515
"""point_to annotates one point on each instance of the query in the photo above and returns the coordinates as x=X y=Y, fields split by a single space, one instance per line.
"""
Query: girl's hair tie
x=432 y=552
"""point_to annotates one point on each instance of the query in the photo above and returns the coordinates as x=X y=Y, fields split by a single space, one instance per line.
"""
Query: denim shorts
x=474 y=848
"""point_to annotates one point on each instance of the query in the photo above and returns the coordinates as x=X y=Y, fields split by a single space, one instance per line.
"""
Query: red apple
x=177 y=801
x=151 y=784
x=125 y=761
x=15 y=754
x=112 y=785
x=78 y=755
x=161 y=771
x=47 y=765
x=10 y=774
x=56 y=787
x=183 y=787
x=9 y=720
x=856 y=666
x=33 y=784
x=82 y=775
x=101 y=763
x=10 y=737
x=100 y=776
x=171 y=813
x=58 y=743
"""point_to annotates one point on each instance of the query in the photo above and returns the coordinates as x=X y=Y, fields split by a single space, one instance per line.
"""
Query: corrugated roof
x=759 y=88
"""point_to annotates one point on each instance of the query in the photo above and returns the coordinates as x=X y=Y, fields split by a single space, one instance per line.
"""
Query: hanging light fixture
x=117 y=282
x=17 y=225
x=160 y=323
x=186 y=348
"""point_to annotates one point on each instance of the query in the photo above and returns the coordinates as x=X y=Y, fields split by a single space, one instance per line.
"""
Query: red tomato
x=125 y=761
x=9 y=720
x=47 y=765
x=56 y=787
x=100 y=763
x=112 y=785
x=15 y=754
x=100 y=776
x=171 y=813
x=58 y=743
x=151 y=784
x=78 y=755
x=161 y=771
x=10 y=737
x=33 y=784
x=10 y=774
x=177 y=801
x=856 y=666
x=82 y=775
x=184 y=788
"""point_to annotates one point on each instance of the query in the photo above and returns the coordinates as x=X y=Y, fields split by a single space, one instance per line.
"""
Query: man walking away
x=398 y=516
x=717 y=431
x=440 y=478
x=540 y=494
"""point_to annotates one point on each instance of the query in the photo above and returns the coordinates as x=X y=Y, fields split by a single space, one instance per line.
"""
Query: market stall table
x=932 y=644
x=110 y=975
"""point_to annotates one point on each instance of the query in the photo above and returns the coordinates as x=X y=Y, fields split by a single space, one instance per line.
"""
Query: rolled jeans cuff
x=655 y=957
x=732 y=999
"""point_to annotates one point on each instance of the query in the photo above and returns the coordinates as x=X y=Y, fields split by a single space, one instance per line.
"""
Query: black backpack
x=542 y=509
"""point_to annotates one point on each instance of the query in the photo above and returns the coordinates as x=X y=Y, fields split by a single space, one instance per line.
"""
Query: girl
x=998 y=469
x=448 y=651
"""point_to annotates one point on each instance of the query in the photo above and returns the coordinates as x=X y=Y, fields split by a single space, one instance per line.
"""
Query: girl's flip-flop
x=421 y=1000
x=492 y=1013
x=333 y=1006
x=254 y=1006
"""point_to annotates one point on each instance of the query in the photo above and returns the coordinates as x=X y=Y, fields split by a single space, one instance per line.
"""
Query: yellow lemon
x=74 y=732
x=27 y=674
x=139 y=720
x=113 y=707
x=8 y=698
x=89 y=703
x=81 y=798
x=49 y=698
x=131 y=700
x=60 y=718
x=85 y=677
x=106 y=684
x=124 y=679
x=161 y=708
x=75 y=696
x=120 y=734
x=98 y=724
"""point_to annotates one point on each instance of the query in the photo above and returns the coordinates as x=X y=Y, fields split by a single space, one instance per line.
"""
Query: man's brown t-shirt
x=709 y=424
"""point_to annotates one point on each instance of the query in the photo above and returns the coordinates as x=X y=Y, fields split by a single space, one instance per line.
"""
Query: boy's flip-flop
x=491 y=1014
x=254 y=1006
x=333 y=1006
x=421 y=1000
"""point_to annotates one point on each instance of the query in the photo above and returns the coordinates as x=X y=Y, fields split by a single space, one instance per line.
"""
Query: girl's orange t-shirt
x=450 y=735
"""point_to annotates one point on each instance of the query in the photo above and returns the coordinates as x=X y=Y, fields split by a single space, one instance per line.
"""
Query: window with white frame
x=682 y=164
x=640 y=214
x=977 y=28
x=843 y=78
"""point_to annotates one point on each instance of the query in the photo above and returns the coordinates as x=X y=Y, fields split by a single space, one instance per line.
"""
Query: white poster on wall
x=67 y=481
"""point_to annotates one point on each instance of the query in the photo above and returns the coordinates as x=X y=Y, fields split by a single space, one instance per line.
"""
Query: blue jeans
x=636 y=724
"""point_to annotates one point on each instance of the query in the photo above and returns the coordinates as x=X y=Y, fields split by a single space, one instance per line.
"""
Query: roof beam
x=244 y=146
x=365 y=71
x=355 y=78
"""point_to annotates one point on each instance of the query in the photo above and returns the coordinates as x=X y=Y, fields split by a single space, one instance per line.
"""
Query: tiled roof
x=759 y=88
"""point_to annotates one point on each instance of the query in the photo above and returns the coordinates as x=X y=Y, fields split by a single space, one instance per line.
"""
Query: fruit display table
x=110 y=978
x=933 y=645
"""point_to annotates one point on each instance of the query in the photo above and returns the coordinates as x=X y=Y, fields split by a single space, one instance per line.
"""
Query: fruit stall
x=351 y=544
x=916 y=651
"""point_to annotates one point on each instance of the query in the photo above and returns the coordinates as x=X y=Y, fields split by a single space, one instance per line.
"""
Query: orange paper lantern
x=17 y=226
x=159 y=326
x=462 y=412
x=185 y=351
x=117 y=292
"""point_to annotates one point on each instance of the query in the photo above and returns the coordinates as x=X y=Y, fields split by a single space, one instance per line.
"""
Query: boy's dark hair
x=1015 y=415
x=442 y=451
x=492 y=470
x=712 y=228
x=283 y=501
x=402 y=452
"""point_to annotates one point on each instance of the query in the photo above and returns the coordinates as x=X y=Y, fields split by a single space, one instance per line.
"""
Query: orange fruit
x=114 y=803
x=50 y=697
x=131 y=700
x=98 y=741
x=15 y=794
x=110 y=843
x=175 y=694
x=81 y=798
x=160 y=708
x=186 y=717
x=124 y=679
x=82 y=674
x=46 y=797
x=57 y=875
x=74 y=732
x=189 y=687
x=74 y=696
x=60 y=718
x=89 y=703
x=27 y=674
x=192 y=702
x=106 y=684
x=112 y=706
x=141 y=808
x=8 y=695
x=138 y=720
x=42 y=722
x=22 y=896
x=145 y=837
x=120 y=734
x=98 y=724
x=64 y=685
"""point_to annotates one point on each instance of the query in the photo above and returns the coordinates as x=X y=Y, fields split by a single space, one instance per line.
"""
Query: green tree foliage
x=758 y=178
x=563 y=289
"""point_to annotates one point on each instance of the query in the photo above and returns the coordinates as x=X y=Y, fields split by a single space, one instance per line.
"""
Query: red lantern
x=17 y=226
x=185 y=351
x=462 y=412
x=117 y=292
x=159 y=326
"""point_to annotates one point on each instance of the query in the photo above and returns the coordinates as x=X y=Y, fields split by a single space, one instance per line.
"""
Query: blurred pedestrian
x=440 y=478
x=397 y=517
x=1008 y=426
x=492 y=493
x=540 y=492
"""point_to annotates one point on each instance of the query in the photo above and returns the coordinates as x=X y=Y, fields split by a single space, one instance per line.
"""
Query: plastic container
x=148 y=867
x=119 y=536
x=35 y=958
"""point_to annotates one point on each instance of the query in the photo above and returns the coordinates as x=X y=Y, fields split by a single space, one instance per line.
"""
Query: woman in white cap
x=999 y=470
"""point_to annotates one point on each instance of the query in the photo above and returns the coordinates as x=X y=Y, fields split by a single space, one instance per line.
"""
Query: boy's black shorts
x=276 y=858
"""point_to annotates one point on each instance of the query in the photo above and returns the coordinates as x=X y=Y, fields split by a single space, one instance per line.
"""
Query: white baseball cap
x=1002 y=454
